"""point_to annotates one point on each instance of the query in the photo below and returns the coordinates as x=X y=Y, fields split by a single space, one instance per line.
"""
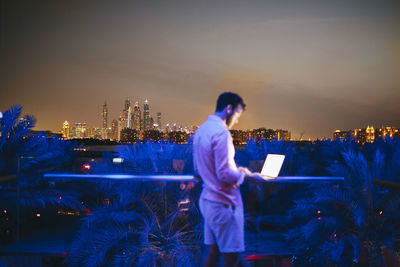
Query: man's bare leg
x=231 y=259
x=211 y=259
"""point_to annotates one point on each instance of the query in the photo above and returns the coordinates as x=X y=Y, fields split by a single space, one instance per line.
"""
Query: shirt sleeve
x=195 y=168
x=224 y=154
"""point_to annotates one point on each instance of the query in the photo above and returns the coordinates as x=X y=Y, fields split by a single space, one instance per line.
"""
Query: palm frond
x=10 y=117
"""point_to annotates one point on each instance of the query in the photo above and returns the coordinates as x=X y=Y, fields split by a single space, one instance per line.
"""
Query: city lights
x=367 y=135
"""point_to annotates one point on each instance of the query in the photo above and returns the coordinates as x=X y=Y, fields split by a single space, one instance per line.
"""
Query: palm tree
x=138 y=226
x=353 y=222
x=23 y=159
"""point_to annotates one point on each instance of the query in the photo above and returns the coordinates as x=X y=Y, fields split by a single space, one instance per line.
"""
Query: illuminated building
x=65 y=130
x=120 y=127
x=78 y=130
x=341 y=135
x=262 y=133
x=97 y=133
x=177 y=137
x=90 y=132
x=105 y=115
x=130 y=135
x=152 y=135
x=137 y=114
x=168 y=128
x=146 y=116
x=370 y=134
x=114 y=129
x=361 y=137
x=241 y=137
x=129 y=118
x=84 y=130
x=125 y=114
x=159 y=126
x=282 y=135
x=386 y=132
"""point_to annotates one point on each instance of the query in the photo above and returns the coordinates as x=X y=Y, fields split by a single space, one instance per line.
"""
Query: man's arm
x=225 y=166
x=250 y=176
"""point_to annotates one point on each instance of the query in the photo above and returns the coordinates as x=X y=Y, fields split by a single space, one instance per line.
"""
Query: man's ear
x=229 y=109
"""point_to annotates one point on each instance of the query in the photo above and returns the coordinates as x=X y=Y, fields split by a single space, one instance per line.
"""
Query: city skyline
x=310 y=67
x=140 y=119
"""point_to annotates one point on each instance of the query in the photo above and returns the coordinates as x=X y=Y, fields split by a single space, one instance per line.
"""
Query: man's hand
x=251 y=177
x=254 y=178
x=244 y=170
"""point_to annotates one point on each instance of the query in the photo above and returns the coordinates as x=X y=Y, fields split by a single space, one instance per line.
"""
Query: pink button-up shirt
x=213 y=158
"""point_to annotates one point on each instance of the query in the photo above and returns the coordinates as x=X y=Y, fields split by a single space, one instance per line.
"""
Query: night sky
x=304 y=66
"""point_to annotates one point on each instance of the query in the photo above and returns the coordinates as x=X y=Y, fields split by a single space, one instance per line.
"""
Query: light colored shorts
x=223 y=225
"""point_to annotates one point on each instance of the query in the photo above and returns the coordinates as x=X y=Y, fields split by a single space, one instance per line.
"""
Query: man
x=220 y=201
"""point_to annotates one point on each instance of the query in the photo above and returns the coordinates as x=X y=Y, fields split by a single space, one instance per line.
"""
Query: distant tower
x=146 y=115
x=137 y=114
x=105 y=115
x=125 y=114
x=128 y=122
x=78 y=130
x=114 y=129
x=159 y=127
x=84 y=130
x=127 y=104
x=120 y=127
x=65 y=130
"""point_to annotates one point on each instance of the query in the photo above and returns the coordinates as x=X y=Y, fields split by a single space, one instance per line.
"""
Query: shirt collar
x=217 y=120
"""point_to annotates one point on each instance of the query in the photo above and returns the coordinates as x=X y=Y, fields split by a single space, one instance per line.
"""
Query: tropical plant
x=139 y=225
x=156 y=157
x=350 y=222
x=25 y=157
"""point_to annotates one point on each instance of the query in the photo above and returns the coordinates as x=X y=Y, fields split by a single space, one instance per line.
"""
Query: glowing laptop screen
x=272 y=165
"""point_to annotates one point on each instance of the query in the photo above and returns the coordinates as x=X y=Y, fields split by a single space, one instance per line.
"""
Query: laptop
x=272 y=166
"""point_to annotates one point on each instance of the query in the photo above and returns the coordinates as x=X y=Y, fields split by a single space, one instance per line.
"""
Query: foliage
x=27 y=156
x=155 y=157
x=144 y=224
x=140 y=226
x=350 y=222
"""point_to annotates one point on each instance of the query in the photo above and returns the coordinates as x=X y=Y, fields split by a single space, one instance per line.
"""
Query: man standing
x=220 y=201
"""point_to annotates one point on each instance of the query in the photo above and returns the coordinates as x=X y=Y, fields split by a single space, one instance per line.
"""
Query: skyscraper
x=84 y=130
x=78 y=130
x=159 y=126
x=125 y=114
x=137 y=114
x=105 y=115
x=129 y=119
x=114 y=129
x=146 y=116
x=65 y=130
x=127 y=104
x=120 y=127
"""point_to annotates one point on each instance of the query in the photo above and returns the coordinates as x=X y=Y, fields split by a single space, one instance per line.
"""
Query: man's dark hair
x=227 y=98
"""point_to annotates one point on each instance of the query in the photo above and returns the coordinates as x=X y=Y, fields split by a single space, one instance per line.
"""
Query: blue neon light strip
x=280 y=179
